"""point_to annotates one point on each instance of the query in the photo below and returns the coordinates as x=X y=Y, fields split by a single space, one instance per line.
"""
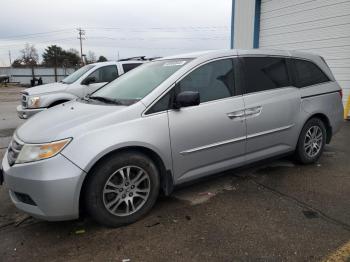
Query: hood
x=68 y=120
x=47 y=88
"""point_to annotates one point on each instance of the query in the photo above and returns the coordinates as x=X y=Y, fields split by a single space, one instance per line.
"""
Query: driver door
x=102 y=75
x=211 y=136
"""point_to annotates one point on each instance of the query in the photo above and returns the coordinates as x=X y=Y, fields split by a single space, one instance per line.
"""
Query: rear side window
x=307 y=73
x=265 y=73
x=128 y=67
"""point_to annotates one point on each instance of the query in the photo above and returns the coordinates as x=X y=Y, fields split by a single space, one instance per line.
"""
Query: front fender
x=48 y=99
x=147 y=132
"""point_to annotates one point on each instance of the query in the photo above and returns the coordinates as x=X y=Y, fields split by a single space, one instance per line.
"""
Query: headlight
x=35 y=152
x=34 y=102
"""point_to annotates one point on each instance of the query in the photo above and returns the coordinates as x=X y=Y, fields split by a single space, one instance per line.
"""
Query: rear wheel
x=311 y=141
x=121 y=189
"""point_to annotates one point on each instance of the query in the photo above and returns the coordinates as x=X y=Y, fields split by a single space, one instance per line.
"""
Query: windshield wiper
x=105 y=100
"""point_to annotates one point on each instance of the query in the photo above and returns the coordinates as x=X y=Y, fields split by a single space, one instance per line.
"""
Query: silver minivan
x=168 y=122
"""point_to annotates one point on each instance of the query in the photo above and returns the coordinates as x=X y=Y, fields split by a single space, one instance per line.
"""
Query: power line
x=13 y=37
x=122 y=39
x=39 y=42
x=169 y=28
x=138 y=29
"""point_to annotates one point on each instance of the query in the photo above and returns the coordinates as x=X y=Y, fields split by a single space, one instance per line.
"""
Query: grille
x=13 y=151
x=24 y=100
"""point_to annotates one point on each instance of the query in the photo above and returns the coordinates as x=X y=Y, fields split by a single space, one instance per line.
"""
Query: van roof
x=229 y=52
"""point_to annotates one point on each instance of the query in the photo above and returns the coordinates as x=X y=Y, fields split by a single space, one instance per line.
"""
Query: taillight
x=341 y=93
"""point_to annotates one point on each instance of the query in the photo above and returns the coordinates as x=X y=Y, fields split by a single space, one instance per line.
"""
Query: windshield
x=139 y=82
x=77 y=74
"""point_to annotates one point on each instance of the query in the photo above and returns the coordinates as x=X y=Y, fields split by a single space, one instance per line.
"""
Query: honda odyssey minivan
x=168 y=122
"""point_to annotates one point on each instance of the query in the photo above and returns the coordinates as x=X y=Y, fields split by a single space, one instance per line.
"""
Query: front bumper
x=25 y=113
x=52 y=185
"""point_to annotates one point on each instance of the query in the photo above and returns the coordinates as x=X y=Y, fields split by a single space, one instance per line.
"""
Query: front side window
x=307 y=73
x=265 y=73
x=105 y=74
x=77 y=74
x=162 y=104
x=139 y=82
x=213 y=81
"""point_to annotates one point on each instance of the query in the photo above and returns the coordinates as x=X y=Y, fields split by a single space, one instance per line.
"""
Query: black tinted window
x=105 y=74
x=213 y=81
x=265 y=73
x=307 y=73
x=128 y=67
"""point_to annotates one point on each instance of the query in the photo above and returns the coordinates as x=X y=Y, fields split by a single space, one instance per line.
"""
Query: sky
x=115 y=27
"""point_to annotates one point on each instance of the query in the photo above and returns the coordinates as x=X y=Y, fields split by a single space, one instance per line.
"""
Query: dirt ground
x=275 y=211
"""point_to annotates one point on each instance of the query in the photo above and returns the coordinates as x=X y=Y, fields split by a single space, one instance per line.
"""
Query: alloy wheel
x=126 y=190
x=313 y=141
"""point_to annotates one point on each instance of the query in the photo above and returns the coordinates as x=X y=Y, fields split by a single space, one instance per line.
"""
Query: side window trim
x=291 y=71
x=238 y=83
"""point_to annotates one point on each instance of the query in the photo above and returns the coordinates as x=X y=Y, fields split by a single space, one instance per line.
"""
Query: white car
x=79 y=84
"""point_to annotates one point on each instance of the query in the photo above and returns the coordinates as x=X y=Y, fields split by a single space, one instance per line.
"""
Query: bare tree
x=29 y=55
x=91 y=57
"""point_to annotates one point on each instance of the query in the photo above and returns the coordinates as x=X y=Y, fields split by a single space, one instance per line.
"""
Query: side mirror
x=89 y=80
x=187 y=98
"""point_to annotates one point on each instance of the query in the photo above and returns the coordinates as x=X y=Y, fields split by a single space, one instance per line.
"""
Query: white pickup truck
x=79 y=84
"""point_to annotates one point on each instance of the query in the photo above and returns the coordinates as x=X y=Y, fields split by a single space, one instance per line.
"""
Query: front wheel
x=311 y=141
x=121 y=189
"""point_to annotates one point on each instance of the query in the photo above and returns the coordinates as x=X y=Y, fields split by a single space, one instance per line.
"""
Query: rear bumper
x=25 y=113
x=47 y=189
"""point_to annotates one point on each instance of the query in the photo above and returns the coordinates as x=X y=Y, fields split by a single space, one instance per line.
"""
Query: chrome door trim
x=201 y=148
x=270 y=131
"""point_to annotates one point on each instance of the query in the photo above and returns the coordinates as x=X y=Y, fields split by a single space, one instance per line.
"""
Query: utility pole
x=10 y=58
x=232 y=24
x=10 y=64
x=55 y=68
x=81 y=33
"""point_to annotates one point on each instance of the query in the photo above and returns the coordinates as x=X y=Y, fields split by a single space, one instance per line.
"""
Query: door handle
x=253 y=111
x=236 y=114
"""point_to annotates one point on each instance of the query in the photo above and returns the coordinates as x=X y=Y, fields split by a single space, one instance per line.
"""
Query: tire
x=310 y=148
x=115 y=201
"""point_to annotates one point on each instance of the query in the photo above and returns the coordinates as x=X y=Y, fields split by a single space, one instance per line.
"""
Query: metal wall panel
x=319 y=26
x=244 y=23
x=24 y=75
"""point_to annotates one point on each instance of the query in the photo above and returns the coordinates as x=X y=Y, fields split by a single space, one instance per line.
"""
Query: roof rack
x=139 y=58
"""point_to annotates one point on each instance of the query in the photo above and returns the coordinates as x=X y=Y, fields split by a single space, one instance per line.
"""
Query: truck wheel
x=121 y=189
x=311 y=141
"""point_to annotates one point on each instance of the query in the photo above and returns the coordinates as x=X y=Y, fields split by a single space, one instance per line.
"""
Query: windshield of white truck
x=139 y=82
x=77 y=74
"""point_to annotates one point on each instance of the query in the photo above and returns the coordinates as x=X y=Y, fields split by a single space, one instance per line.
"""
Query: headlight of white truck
x=35 y=152
x=33 y=102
